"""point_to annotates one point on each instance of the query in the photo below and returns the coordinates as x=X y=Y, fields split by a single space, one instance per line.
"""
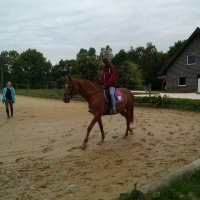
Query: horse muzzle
x=66 y=98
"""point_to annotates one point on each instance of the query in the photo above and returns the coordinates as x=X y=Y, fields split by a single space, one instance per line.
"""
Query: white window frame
x=191 y=63
x=179 y=81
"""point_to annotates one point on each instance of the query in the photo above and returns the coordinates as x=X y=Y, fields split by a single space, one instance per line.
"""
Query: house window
x=182 y=81
x=191 y=60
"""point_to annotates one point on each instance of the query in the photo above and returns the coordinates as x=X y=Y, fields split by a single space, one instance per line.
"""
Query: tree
x=60 y=70
x=120 y=57
x=151 y=62
x=7 y=59
x=130 y=74
x=64 y=68
x=32 y=68
x=106 y=53
x=174 y=48
x=86 y=65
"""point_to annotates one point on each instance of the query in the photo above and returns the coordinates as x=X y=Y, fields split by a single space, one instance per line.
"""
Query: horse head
x=69 y=89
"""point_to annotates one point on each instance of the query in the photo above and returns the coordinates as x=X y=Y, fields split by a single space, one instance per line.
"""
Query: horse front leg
x=92 y=123
x=102 y=131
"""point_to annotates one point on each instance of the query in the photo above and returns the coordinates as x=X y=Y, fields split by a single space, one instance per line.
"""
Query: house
x=182 y=72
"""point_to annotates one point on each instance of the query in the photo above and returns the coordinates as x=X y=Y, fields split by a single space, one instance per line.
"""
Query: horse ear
x=67 y=79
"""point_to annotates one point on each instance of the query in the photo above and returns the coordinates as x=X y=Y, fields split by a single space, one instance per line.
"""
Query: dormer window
x=191 y=59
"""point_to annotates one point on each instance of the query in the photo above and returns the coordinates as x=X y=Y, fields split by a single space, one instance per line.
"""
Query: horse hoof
x=83 y=146
x=125 y=137
x=99 y=143
x=130 y=130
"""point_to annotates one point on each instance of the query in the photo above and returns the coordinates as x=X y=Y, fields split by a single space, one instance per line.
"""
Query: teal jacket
x=12 y=94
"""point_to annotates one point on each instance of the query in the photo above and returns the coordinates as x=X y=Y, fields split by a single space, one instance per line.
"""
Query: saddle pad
x=118 y=96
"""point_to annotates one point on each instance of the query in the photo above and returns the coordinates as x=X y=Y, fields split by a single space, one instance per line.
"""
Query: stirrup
x=112 y=111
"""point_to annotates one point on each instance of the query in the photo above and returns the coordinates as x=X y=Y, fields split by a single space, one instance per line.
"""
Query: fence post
x=149 y=90
x=28 y=88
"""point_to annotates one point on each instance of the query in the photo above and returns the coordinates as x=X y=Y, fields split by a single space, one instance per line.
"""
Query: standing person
x=108 y=80
x=8 y=98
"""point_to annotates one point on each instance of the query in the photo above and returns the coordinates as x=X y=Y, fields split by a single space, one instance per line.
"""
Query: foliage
x=151 y=62
x=166 y=102
x=32 y=68
x=62 y=69
x=174 y=48
x=87 y=66
x=135 y=66
x=106 y=53
x=158 y=100
x=120 y=58
x=129 y=73
x=7 y=59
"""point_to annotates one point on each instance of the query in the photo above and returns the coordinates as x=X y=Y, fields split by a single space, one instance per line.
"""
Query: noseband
x=72 y=93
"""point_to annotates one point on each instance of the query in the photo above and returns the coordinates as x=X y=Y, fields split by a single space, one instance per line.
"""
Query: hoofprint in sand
x=40 y=158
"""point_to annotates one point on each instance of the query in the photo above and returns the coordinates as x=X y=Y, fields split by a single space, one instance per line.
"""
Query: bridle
x=71 y=94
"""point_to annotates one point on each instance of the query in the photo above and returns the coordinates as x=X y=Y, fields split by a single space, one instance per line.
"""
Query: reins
x=96 y=92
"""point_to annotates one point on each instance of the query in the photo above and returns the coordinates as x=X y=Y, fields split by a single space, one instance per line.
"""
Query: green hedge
x=166 y=102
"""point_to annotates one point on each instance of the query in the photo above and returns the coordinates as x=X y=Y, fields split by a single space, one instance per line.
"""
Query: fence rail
x=145 y=88
x=53 y=91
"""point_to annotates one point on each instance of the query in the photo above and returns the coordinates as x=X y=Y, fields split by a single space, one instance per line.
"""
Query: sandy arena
x=40 y=157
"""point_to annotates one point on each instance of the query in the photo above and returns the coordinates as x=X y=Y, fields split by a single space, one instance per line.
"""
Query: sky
x=60 y=28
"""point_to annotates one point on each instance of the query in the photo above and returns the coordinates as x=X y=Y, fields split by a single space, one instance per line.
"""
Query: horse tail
x=132 y=108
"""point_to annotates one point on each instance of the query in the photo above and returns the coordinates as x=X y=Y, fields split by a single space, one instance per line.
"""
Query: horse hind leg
x=131 y=120
x=128 y=114
x=128 y=121
x=128 y=129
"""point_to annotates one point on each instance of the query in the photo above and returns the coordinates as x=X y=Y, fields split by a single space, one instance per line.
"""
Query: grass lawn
x=56 y=94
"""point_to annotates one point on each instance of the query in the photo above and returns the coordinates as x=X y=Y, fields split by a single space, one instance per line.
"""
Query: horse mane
x=91 y=85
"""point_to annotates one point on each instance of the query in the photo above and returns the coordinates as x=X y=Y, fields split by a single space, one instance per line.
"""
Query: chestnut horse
x=94 y=95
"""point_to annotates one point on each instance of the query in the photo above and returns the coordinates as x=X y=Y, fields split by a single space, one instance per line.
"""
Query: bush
x=166 y=102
